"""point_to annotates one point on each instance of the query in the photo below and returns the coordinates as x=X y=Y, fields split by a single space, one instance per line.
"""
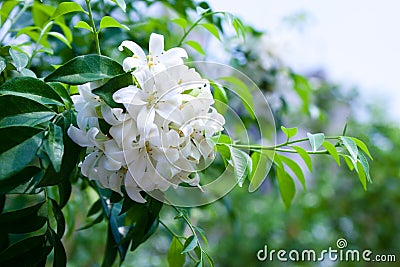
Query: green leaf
x=289 y=132
x=107 y=90
x=27 y=73
x=221 y=98
x=304 y=155
x=83 y=69
x=16 y=221
x=303 y=88
x=20 y=182
x=181 y=22
x=332 y=151
x=239 y=87
x=362 y=146
x=350 y=146
x=365 y=166
x=62 y=92
x=60 y=257
x=202 y=234
x=83 y=25
x=31 y=88
x=28 y=252
x=196 y=46
x=19 y=60
x=174 y=256
x=20 y=149
x=110 y=251
x=361 y=175
x=212 y=29
x=59 y=216
x=3 y=64
x=260 y=164
x=316 y=140
x=20 y=111
x=54 y=145
x=67 y=32
x=295 y=168
x=121 y=4
x=67 y=7
x=110 y=22
x=190 y=244
x=287 y=187
x=351 y=164
x=241 y=162
x=60 y=37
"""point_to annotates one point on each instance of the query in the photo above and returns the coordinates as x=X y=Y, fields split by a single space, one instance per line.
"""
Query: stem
x=35 y=49
x=195 y=24
x=177 y=237
x=278 y=146
x=23 y=9
x=95 y=32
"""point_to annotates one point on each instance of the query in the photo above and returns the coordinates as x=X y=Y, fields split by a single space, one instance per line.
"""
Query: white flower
x=157 y=60
x=161 y=138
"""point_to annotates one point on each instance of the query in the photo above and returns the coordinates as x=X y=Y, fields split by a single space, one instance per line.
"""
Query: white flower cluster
x=161 y=137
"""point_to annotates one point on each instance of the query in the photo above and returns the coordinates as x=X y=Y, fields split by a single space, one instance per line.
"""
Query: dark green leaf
x=190 y=244
x=107 y=90
x=95 y=208
x=28 y=252
x=110 y=251
x=13 y=183
x=83 y=69
x=17 y=221
x=316 y=140
x=174 y=256
x=60 y=257
x=97 y=220
x=31 y=88
x=54 y=146
x=202 y=234
x=304 y=155
x=20 y=111
x=20 y=149
x=289 y=132
x=286 y=186
x=59 y=216
x=63 y=93
x=64 y=190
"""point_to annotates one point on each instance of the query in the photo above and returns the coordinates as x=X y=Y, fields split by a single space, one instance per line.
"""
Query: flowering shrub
x=132 y=130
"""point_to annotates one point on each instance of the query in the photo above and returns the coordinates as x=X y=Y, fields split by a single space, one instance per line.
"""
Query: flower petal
x=156 y=44
x=135 y=48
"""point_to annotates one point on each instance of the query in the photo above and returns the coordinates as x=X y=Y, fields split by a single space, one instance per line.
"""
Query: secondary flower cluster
x=162 y=135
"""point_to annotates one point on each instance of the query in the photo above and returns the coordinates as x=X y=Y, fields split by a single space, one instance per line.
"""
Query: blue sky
x=356 y=42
